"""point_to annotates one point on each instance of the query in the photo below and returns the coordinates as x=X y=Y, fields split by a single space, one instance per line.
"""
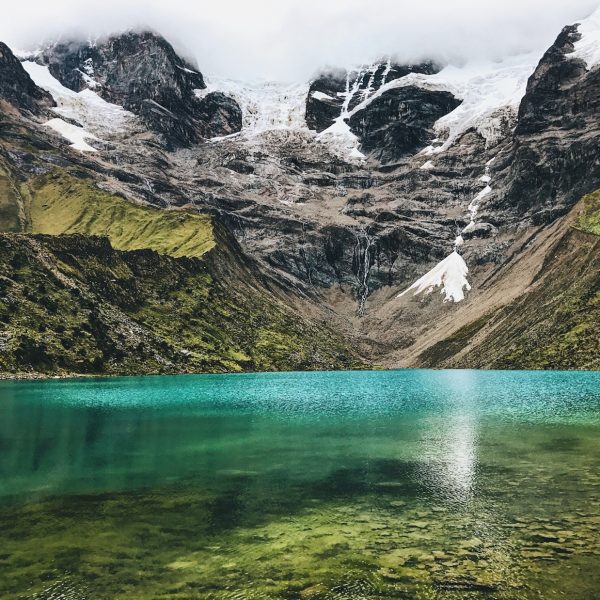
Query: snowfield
x=488 y=90
x=96 y=116
x=588 y=47
x=76 y=135
x=266 y=106
x=449 y=274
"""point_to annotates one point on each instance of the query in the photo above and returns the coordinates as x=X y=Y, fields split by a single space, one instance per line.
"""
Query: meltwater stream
x=399 y=484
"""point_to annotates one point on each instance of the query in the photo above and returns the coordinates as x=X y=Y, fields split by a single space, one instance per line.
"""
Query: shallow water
x=402 y=484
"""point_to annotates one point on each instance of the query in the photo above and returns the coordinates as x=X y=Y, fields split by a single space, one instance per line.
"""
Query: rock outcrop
x=400 y=121
x=349 y=232
x=17 y=88
x=554 y=158
x=143 y=73
x=334 y=90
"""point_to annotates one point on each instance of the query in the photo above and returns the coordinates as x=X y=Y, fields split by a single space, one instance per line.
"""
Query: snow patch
x=490 y=92
x=321 y=96
x=588 y=47
x=86 y=107
x=427 y=166
x=76 y=135
x=450 y=274
x=266 y=106
x=340 y=135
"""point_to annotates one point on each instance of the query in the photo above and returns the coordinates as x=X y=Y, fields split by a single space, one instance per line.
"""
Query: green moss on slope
x=555 y=325
x=73 y=304
x=9 y=202
x=589 y=219
x=63 y=204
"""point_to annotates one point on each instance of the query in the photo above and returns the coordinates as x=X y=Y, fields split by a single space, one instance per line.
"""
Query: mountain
x=340 y=206
x=141 y=72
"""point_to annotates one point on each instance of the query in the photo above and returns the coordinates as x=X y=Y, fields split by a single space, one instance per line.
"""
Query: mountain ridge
x=345 y=199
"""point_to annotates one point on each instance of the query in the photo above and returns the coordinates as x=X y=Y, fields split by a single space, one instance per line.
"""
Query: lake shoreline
x=373 y=368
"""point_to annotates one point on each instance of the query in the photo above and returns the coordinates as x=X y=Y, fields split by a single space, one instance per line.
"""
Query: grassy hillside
x=100 y=285
x=61 y=203
x=589 y=219
x=555 y=325
x=9 y=204
x=73 y=304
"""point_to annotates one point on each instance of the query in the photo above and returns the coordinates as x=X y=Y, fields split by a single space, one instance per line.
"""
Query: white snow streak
x=76 y=135
x=321 y=96
x=450 y=274
x=588 y=47
x=86 y=107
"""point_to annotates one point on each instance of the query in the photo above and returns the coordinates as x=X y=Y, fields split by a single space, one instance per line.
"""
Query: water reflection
x=450 y=441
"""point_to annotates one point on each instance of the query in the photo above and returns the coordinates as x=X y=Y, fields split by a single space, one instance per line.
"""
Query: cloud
x=291 y=39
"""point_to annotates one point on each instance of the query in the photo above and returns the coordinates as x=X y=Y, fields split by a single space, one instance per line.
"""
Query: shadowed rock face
x=143 y=73
x=554 y=157
x=400 y=121
x=327 y=92
x=347 y=232
x=219 y=114
x=17 y=88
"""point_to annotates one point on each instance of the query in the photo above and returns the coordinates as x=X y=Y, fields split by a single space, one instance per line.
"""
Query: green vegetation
x=149 y=297
x=63 y=204
x=555 y=325
x=9 y=204
x=566 y=338
x=73 y=304
x=447 y=348
x=255 y=540
x=589 y=219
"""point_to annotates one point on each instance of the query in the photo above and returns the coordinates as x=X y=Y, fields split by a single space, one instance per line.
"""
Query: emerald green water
x=401 y=484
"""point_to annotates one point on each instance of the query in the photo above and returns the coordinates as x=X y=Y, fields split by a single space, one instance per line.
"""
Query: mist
x=290 y=40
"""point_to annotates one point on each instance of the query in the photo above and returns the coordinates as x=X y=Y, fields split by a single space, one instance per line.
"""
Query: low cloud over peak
x=291 y=39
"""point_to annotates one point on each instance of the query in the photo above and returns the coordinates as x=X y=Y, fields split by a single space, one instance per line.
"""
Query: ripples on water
x=406 y=484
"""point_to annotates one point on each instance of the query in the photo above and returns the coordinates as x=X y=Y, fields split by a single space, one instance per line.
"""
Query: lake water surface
x=362 y=485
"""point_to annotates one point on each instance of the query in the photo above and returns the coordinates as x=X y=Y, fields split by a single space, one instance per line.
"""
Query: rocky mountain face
x=332 y=94
x=400 y=121
x=553 y=160
x=143 y=73
x=461 y=186
x=17 y=88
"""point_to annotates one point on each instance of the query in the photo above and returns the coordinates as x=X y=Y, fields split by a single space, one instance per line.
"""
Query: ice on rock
x=588 y=47
x=450 y=275
x=486 y=88
x=76 y=135
x=321 y=96
x=97 y=116
x=340 y=135
x=266 y=106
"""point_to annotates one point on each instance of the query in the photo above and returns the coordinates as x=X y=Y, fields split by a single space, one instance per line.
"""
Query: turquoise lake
x=357 y=485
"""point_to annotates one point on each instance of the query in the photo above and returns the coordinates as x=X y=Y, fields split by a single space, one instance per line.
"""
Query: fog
x=292 y=39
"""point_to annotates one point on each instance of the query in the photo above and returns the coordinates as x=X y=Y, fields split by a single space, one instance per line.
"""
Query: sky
x=291 y=40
